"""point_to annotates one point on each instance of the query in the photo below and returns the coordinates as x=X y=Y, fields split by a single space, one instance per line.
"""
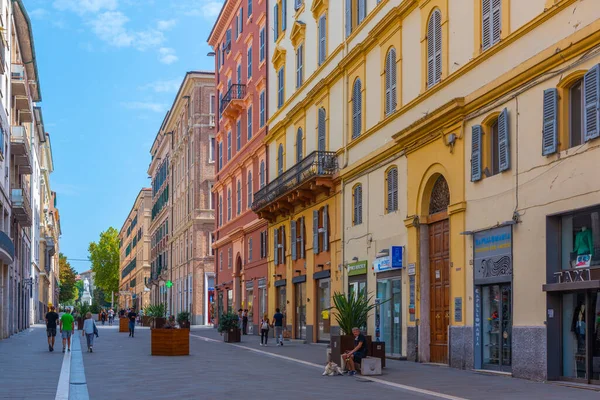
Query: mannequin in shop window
x=584 y=242
x=578 y=325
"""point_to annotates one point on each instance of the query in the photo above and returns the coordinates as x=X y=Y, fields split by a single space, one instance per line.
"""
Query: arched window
x=321 y=130
x=250 y=189
x=356 y=109
x=434 y=48
x=280 y=160
x=261 y=174
x=229 y=204
x=390 y=82
x=392 y=189
x=357 y=205
x=299 y=139
x=239 y=197
x=220 y=210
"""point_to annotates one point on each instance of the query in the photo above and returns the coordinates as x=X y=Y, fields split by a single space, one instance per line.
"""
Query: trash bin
x=378 y=350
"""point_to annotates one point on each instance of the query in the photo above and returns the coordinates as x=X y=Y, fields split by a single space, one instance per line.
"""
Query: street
x=122 y=368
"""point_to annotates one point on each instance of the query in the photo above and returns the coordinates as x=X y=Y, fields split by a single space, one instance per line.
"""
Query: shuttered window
x=228 y=145
x=261 y=47
x=238 y=135
x=276 y=22
x=503 y=141
x=357 y=205
x=261 y=114
x=434 y=48
x=261 y=174
x=591 y=103
x=361 y=7
x=284 y=14
x=321 y=130
x=220 y=210
x=348 y=10
x=299 y=65
x=324 y=231
x=280 y=160
x=550 y=126
x=249 y=62
x=249 y=121
x=228 y=204
x=356 y=109
x=276 y=246
x=239 y=197
x=392 y=190
x=491 y=23
x=293 y=241
x=476 y=137
x=322 y=39
x=299 y=141
x=249 y=8
x=390 y=82
x=250 y=189
x=280 y=83
x=249 y=249
x=316 y=232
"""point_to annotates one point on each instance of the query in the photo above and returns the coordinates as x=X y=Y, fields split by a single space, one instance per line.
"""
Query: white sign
x=125 y=293
x=382 y=264
x=412 y=270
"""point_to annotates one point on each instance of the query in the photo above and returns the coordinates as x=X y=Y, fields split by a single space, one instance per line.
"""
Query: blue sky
x=109 y=70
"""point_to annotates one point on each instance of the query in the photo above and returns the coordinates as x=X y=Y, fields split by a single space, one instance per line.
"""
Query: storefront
x=388 y=315
x=280 y=298
x=248 y=305
x=573 y=296
x=357 y=278
x=262 y=296
x=492 y=275
x=299 y=306
x=323 y=285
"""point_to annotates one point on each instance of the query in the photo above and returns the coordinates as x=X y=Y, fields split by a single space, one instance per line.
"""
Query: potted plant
x=183 y=319
x=79 y=315
x=229 y=327
x=157 y=314
x=167 y=342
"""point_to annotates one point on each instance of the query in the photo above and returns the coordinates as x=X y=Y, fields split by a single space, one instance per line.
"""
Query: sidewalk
x=450 y=381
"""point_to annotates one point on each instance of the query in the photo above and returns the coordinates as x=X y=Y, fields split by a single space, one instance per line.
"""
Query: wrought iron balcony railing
x=235 y=92
x=316 y=164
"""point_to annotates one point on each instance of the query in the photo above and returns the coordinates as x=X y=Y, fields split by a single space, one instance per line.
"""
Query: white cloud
x=146 y=106
x=167 y=55
x=86 y=6
x=209 y=9
x=38 y=13
x=166 y=86
x=151 y=38
x=165 y=25
x=110 y=27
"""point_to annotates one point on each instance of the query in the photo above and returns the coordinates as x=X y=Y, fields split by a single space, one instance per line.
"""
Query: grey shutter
x=503 y=141
x=282 y=244
x=430 y=52
x=302 y=255
x=486 y=27
x=550 y=131
x=322 y=39
x=293 y=240
x=362 y=10
x=476 y=133
x=276 y=246
x=591 y=103
x=348 y=17
x=283 y=14
x=393 y=85
x=276 y=21
x=241 y=19
x=496 y=22
x=321 y=130
x=359 y=208
x=388 y=86
x=438 y=45
x=299 y=137
x=356 y=109
x=316 y=232
x=325 y=228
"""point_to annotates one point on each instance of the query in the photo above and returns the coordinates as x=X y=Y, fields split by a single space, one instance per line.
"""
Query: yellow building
x=134 y=242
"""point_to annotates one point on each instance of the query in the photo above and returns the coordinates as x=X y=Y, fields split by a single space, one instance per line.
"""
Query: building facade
x=239 y=40
x=134 y=242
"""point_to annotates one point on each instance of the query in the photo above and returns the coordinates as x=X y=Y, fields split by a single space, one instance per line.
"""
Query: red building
x=239 y=40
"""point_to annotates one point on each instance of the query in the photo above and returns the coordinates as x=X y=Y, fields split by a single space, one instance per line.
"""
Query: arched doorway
x=439 y=270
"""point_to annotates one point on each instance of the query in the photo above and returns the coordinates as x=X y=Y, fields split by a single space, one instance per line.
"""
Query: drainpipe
x=345 y=157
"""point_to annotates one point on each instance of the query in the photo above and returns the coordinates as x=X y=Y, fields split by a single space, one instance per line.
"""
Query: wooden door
x=439 y=290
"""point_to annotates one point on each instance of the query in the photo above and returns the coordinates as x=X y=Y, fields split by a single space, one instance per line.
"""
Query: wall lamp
x=320 y=266
x=299 y=271
x=355 y=259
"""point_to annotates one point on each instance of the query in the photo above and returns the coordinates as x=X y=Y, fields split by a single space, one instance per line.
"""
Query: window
x=249 y=62
x=230 y=258
x=262 y=174
x=276 y=22
x=491 y=23
x=391 y=181
x=576 y=114
x=263 y=244
x=240 y=23
x=357 y=205
x=261 y=48
x=228 y=145
x=220 y=210
x=261 y=116
x=490 y=147
x=250 y=189
x=229 y=204
x=390 y=82
x=220 y=155
x=211 y=107
x=280 y=86
x=299 y=65
x=591 y=94
x=321 y=230
x=297 y=239
x=219 y=105
x=356 y=11
x=298 y=4
x=211 y=201
x=249 y=8
x=211 y=240
x=361 y=8
x=238 y=135
x=322 y=39
x=321 y=130
x=279 y=245
x=280 y=160
x=356 y=109
x=434 y=48
x=299 y=141
x=283 y=14
x=239 y=197
x=221 y=261
x=211 y=150
x=249 y=249
x=249 y=121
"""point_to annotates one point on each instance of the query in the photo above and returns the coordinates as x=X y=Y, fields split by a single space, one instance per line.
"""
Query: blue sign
x=397 y=256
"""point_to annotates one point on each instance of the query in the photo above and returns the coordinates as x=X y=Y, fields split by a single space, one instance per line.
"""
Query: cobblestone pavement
x=122 y=368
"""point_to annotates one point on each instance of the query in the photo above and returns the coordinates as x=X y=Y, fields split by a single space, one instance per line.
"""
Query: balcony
x=7 y=249
x=21 y=206
x=18 y=80
x=20 y=148
x=298 y=185
x=232 y=103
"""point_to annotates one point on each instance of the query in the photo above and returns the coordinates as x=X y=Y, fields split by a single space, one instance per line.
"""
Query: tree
x=67 y=280
x=104 y=256
x=79 y=287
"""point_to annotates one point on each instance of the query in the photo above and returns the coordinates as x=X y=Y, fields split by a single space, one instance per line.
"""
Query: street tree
x=67 y=280
x=104 y=256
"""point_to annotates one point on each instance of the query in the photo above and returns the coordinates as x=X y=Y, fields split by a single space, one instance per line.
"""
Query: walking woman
x=103 y=316
x=89 y=327
x=264 y=330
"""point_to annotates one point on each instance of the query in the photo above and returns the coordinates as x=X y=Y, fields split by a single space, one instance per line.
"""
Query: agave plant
x=352 y=311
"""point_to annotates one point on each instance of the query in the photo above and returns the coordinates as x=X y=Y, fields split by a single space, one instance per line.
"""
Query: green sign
x=357 y=268
x=169 y=284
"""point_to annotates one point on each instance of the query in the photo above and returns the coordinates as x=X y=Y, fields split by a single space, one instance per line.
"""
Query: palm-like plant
x=352 y=311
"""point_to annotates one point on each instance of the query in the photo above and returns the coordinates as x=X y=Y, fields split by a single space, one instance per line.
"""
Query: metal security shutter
x=276 y=246
x=503 y=141
x=299 y=145
x=316 y=231
x=322 y=39
x=550 y=131
x=476 y=133
x=326 y=228
x=321 y=131
x=591 y=103
x=392 y=190
x=390 y=82
x=293 y=241
x=356 y=109
x=434 y=49
x=348 y=17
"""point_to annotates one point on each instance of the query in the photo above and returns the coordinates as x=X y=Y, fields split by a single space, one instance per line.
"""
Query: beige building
x=134 y=237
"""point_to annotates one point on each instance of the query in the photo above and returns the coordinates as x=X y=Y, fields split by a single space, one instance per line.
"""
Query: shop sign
x=412 y=270
x=382 y=264
x=397 y=252
x=573 y=275
x=493 y=255
x=357 y=268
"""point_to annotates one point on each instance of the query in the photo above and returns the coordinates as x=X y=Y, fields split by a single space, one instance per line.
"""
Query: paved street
x=122 y=368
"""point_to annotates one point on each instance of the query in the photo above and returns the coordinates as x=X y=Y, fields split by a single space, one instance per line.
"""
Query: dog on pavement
x=332 y=369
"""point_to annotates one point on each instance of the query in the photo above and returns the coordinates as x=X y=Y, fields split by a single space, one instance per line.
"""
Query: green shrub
x=227 y=321
x=183 y=316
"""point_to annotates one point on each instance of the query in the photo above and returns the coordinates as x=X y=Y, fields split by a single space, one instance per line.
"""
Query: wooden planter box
x=234 y=335
x=159 y=323
x=170 y=342
x=146 y=321
x=341 y=344
x=184 y=324
x=123 y=325
x=79 y=323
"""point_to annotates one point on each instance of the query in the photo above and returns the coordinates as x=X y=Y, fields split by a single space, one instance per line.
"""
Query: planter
x=233 y=335
x=146 y=321
x=79 y=323
x=123 y=325
x=341 y=344
x=184 y=324
x=158 y=323
x=170 y=342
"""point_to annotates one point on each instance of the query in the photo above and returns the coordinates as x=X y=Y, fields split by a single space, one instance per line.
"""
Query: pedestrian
x=67 y=328
x=89 y=329
x=356 y=355
x=245 y=322
x=122 y=313
x=264 y=330
x=278 y=323
x=111 y=316
x=51 y=318
x=240 y=319
x=132 y=316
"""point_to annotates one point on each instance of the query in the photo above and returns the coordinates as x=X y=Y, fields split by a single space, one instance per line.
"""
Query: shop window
x=579 y=237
